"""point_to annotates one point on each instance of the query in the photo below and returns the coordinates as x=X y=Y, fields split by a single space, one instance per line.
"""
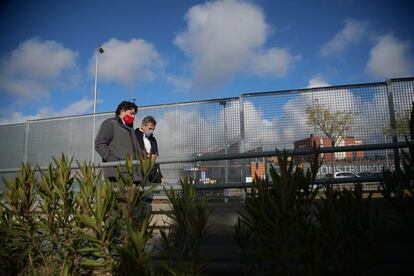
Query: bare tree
x=332 y=124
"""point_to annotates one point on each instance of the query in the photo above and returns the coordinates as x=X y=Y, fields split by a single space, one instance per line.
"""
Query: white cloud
x=17 y=117
x=274 y=62
x=352 y=33
x=317 y=82
x=180 y=83
x=390 y=58
x=35 y=67
x=226 y=37
x=127 y=62
x=76 y=108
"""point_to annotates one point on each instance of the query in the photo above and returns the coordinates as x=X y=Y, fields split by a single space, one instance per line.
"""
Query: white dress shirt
x=147 y=144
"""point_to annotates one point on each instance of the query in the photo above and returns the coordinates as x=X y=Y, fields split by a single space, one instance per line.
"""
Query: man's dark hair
x=149 y=119
x=125 y=105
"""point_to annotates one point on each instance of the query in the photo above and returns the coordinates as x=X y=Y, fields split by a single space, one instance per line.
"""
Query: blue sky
x=174 y=51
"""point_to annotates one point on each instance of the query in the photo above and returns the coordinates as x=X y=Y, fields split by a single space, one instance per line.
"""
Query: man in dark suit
x=149 y=146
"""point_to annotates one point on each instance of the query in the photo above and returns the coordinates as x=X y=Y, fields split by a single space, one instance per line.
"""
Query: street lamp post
x=98 y=51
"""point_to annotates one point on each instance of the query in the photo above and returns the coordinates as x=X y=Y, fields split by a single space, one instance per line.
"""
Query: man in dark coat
x=116 y=138
x=149 y=147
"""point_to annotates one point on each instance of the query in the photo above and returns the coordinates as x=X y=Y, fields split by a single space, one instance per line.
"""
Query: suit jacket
x=155 y=174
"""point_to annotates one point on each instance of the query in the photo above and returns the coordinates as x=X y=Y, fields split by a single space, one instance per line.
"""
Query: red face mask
x=128 y=119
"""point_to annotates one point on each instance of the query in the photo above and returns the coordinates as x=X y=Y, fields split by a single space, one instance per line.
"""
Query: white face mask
x=148 y=133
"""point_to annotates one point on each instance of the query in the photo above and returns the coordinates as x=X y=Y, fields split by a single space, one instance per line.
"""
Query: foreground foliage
x=286 y=226
x=283 y=230
x=46 y=228
x=181 y=244
x=398 y=187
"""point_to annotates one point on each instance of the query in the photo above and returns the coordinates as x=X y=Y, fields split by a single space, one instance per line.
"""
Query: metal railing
x=208 y=132
x=224 y=189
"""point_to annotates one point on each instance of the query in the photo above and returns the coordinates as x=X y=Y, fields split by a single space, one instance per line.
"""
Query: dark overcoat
x=114 y=140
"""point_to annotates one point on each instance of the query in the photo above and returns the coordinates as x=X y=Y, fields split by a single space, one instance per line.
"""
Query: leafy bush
x=57 y=206
x=398 y=186
x=347 y=232
x=46 y=228
x=134 y=212
x=181 y=244
x=20 y=227
x=276 y=218
x=287 y=227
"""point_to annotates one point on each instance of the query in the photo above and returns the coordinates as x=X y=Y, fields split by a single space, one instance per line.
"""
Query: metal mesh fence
x=12 y=141
x=403 y=96
x=279 y=119
x=194 y=128
x=251 y=122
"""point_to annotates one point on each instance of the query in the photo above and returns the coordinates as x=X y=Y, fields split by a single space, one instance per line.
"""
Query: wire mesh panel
x=274 y=120
x=195 y=129
x=48 y=139
x=80 y=139
x=71 y=136
x=12 y=141
x=279 y=119
x=371 y=113
x=328 y=116
x=191 y=129
x=210 y=173
x=403 y=97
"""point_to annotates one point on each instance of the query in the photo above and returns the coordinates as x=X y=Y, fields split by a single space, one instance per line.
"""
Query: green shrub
x=276 y=219
x=20 y=248
x=57 y=222
x=135 y=251
x=287 y=227
x=347 y=233
x=181 y=244
x=397 y=187
x=46 y=228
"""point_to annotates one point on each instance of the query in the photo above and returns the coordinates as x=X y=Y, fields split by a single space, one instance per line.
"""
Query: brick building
x=325 y=142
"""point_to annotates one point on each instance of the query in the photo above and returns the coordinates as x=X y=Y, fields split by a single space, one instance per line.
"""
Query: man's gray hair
x=148 y=120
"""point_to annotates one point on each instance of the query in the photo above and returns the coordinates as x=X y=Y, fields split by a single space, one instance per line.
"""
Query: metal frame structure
x=229 y=134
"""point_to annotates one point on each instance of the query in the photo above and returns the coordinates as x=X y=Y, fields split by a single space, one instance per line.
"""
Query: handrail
x=246 y=155
x=318 y=181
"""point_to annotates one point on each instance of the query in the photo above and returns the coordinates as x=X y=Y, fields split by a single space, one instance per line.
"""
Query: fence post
x=242 y=139
x=26 y=142
x=393 y=125
x=223 y=103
